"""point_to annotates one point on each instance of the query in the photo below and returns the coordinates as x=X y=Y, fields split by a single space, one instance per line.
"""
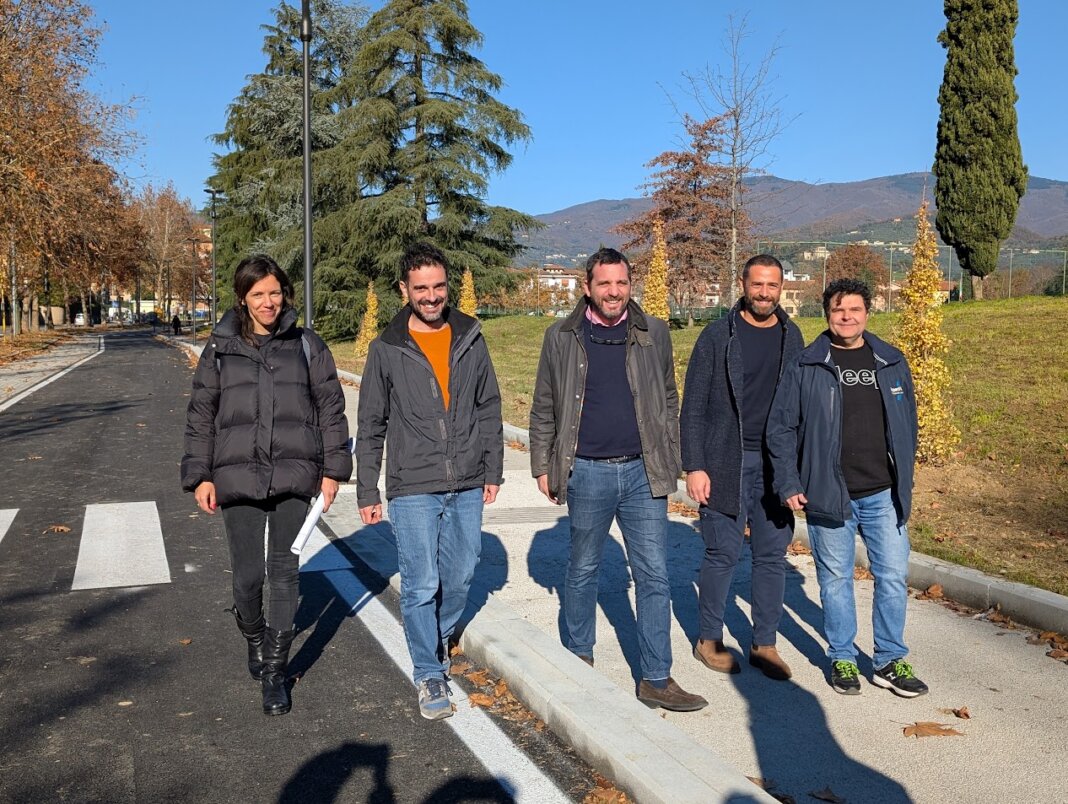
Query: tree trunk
x=977 y=286
x=16 y=315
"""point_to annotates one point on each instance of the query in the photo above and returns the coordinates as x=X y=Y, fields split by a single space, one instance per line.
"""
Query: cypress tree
x=978 y=162
x=433 y=133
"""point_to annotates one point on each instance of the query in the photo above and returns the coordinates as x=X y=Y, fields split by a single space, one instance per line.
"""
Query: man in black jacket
x=429 y=389
x=842 y=437
x=730 y=383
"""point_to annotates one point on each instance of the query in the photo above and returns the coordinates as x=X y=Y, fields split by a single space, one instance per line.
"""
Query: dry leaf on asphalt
x=826 y=794
x=501 y=688
x=479 y=678
x=480 y=699
x=962 y=713
x=459 y=668
x=798 y=549
x=185 y=641
x=928 y=729
x=933 y=592
x=125 y=703
x=56 y=529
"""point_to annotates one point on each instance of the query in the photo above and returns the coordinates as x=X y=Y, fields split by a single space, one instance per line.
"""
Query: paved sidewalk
x=23 y=375
x=799 y=734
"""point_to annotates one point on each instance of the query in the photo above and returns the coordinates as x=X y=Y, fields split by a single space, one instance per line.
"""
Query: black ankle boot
x=254 y=633
x=276 y=661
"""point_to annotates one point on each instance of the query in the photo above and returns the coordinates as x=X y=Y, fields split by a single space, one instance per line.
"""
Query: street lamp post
x=193 y=292
x=214 y=289
x=1010 y=272
x=305 y=38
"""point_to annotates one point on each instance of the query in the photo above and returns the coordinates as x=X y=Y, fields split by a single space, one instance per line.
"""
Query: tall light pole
x=1010 y=272
x=193 y=292
x=305 y=37
x=214 y=289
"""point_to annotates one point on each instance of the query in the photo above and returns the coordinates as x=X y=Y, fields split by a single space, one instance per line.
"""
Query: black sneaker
x=845 y=677
x=897 y=676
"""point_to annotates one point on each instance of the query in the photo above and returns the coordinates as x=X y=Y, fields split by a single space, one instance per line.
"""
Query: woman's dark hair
x=250 y=271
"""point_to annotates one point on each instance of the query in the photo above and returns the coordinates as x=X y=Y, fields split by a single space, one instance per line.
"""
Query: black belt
x=616 y=459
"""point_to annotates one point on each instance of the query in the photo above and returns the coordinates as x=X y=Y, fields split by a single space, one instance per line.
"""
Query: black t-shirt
x=865 y=458
x=761 y=356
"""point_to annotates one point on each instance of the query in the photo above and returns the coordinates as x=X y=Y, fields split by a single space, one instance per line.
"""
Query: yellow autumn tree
x=468 y=301
x=920 y=337
x=369 y=325
x=655 y=295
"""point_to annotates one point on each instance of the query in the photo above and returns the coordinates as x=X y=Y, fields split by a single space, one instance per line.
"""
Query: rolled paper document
x=310 y=521
x=314 y=513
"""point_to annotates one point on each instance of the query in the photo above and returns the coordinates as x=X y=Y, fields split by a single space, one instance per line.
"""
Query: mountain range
x=796 y=210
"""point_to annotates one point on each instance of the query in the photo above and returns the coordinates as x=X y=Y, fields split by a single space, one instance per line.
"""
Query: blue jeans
x=597 y=492
x=771 y=527
x=439 y=538
x=834 y=549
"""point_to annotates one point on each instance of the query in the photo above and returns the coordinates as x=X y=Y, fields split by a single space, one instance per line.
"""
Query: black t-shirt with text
x=865 y=458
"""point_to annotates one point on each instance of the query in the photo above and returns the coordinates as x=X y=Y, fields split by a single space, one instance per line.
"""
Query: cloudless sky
x=857 y=84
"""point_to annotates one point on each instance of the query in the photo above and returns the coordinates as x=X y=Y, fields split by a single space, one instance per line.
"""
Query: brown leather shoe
x=768 y=661
x=672 y=697
x=712 y=654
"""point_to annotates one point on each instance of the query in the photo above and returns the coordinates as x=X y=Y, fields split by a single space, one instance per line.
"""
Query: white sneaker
x=434 y=703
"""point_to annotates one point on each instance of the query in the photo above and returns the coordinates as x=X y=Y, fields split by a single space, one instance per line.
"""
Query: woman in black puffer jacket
x=265 y=432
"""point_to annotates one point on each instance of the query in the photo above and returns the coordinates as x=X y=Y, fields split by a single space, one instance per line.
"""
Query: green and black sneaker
x=897 y=676
x=845 y=677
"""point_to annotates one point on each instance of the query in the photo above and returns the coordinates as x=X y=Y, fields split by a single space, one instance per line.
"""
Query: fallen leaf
x=479 y=678
x=454 y=650
x=798 y=549
x=480 y=699
x=185 y=641
x=56 y=529
x=501 y=689
x=141 y=424
x=1057 y=653
x=826 y=794
x=764 y=784
x=184 y=714
x=962 y=713
x=933 y=592
x=125 y=703
x=862 y=574
x=928 y=729
x=605 y=795
x=84 y=661
x=459 y=668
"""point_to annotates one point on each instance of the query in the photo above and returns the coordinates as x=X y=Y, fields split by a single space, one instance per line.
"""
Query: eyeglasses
x=607 y=341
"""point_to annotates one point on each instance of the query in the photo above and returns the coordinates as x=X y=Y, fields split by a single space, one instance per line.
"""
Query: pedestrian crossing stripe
x=7 y=516
x=121 y=545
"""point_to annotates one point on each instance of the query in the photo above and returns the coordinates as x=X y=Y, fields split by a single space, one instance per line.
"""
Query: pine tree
x=655 y=295
x=369 y=325
x=468 y=301
x=432 y=134
x=978 y=162
x=920 y=337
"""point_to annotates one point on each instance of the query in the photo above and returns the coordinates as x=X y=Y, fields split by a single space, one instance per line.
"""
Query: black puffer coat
x=266 y=421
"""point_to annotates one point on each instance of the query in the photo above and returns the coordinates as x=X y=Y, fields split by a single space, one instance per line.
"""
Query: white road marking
x=122 y=545
x=512 y=769
x=7 y=516
x=19 y=397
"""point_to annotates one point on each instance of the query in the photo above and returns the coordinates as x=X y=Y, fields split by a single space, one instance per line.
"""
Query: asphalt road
x=124 y=681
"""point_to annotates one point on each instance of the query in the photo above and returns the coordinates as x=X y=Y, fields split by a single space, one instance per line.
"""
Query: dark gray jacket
x=265 y=421
x=712 y=405
x=431 y=450
x=560 y=387
x=804 y=433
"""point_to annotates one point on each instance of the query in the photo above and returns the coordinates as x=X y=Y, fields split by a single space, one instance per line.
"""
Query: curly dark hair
x=847 y=286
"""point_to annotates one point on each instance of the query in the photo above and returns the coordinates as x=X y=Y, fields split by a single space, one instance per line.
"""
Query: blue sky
x=858 y=82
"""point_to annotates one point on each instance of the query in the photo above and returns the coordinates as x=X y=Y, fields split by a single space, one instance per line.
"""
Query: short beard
x=422 y=317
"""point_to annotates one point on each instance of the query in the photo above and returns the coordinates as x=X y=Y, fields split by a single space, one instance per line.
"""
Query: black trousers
x=245 y=523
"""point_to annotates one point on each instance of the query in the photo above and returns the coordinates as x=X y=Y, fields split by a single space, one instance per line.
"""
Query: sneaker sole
x=437 y=714
x=850 y=691
x=879 y=681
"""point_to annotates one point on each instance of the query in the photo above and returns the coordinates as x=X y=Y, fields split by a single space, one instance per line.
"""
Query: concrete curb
x=651 y=759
